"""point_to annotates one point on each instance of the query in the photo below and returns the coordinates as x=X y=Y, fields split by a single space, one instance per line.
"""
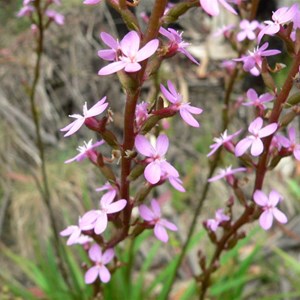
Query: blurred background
x=264 y=266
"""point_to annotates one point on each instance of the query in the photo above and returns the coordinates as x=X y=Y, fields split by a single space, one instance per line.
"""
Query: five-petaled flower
x=131 y=55
x=185 y=109
x=153 y=217
x=157 y=164
x=95 y=110
x=290 y=143
x=87 y=150
x=254 y=140
x=220 y=217
x=99 y=269
x=253 y=61
x=212 y=6
x=98 y=218
x=177 y=44
x=269 y=208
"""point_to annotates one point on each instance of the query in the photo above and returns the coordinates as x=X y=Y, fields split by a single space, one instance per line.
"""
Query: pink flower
x=95 y=110
x=253 y=62
x=26 y=10
x=185 y=109
x=177 y=44
x=157 y=164
x=141 y=113
x=131 y=55
x=97 y=219
x=91 y=2
x=247 y=30
x=280 y=17
x=269 y=208
x=58 y=18
x=153 y=217
x=290 y=142
x=224 y=139
x=110 y=41
x=86 y=151
x=75 y=233
x=258 y=101
x=99 y=269
x=212 y=6
x=225 y=30
x=254 y=140
x=220 y=217
x=111 y=190
x=228 y=172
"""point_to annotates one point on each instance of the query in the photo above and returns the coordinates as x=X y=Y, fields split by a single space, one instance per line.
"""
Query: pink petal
x=268 y=130
x=242 y=146
x=104 y=274
x=256 y=125
x=132 y=67
x=292 y=134
x=152 y=172
x=91 y=275
x=109 y=40
x=130 y=44
x=274 y=198
x=279 y=216
x=112 y=68
x=107 y=54
x=97 y=109
x=172 y=88
x=106 y=200
x=146 y=213
x=260 y=198
x=252 y=95
x=257 y=147
x=171 y=226
x=155 y=208
x=188 y=118
x=210 y=6
x=266 y=220
x=176 y=183
x=296 y=152
x=173 y=99
x=169 y=169
x=101 y=223
x=76 y=126
x=148 y=50
x=91 y=2
x=108 y=255
x=88 y=219
x=161 y=233
x=116 y=206
x=95 y=253
x=162 y=144
x=143 y=146
x=188 y=55
x=227 y=6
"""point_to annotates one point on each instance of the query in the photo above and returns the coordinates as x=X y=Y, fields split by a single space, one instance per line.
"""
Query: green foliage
x=45 y=274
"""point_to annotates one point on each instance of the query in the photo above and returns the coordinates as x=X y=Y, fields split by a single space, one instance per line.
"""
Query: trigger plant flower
x=220 y=217
x=253 y=61
x=290 y=143
x=254 y=140
x=227 y=173
x=87 y=150
x=131 y=55
x=157 y=165
x=280 y=17
x=97 y=219
x=258 y=101
x=186 y=111
x=153 y=217
x=270 y=211
x=99 y=270
x=223 y=140
x=212 y=6
x=95 y=110
x=247 y=30
x=176 y=44
x=58 y=18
